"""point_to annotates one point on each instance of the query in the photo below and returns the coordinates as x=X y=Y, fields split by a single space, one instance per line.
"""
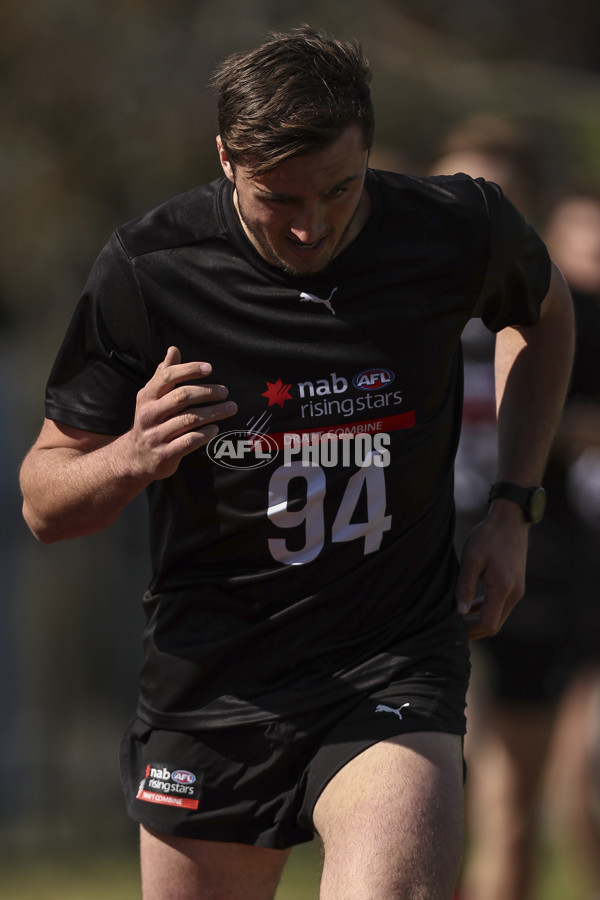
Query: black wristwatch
x=532 y=500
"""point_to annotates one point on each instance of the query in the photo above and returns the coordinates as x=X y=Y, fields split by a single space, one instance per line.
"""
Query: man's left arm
x=533 y=366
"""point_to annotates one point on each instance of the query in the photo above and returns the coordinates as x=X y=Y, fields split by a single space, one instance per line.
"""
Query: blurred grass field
x=107 y=876
x=115 y=876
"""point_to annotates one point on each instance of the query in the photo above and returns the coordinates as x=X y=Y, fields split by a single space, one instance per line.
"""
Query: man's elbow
x=41 y=528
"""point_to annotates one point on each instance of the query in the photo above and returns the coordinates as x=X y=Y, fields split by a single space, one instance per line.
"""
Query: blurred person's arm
x=76 y=482
x=533 y=366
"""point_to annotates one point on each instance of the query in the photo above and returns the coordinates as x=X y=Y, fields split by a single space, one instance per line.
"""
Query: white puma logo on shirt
x=383 y=708
x=314 y=299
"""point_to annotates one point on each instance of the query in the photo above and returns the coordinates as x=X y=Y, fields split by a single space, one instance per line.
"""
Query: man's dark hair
x=293 y=95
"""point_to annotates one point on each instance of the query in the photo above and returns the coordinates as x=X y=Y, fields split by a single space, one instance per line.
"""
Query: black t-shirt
x=273 y=563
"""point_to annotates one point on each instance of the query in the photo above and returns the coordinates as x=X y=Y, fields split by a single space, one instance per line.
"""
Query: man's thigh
x=175 y=868
x=391 y=821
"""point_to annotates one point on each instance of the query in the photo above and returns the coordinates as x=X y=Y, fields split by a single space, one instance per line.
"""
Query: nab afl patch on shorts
x=169 y=786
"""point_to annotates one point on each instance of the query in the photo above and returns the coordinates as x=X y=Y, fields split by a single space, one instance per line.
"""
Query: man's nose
x=307 y=224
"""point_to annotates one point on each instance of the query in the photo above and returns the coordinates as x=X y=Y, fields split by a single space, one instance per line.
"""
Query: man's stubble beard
x=270 y=253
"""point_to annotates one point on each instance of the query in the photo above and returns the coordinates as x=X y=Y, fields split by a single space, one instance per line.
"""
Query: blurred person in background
x=307 y=636
x=519 y=675
x=572 y=232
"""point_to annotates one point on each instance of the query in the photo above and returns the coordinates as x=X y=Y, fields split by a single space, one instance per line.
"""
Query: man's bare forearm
x=68 y=493
x=76 y=482
x=533 y=367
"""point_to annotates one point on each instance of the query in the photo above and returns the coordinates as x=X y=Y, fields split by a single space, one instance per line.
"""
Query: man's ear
x=224 y=160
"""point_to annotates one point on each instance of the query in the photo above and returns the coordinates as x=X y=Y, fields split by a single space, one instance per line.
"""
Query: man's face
x=307 y=209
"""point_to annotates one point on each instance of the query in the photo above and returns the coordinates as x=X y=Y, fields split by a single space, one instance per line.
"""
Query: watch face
x=537 y=505
x=531 y=500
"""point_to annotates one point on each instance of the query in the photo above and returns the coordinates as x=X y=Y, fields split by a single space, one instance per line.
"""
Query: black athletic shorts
x=258 y=784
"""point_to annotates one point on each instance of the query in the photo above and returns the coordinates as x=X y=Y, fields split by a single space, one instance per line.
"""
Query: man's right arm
x=76 y=482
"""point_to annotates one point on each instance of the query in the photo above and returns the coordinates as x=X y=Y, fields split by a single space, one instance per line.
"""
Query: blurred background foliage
x=106 y=110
